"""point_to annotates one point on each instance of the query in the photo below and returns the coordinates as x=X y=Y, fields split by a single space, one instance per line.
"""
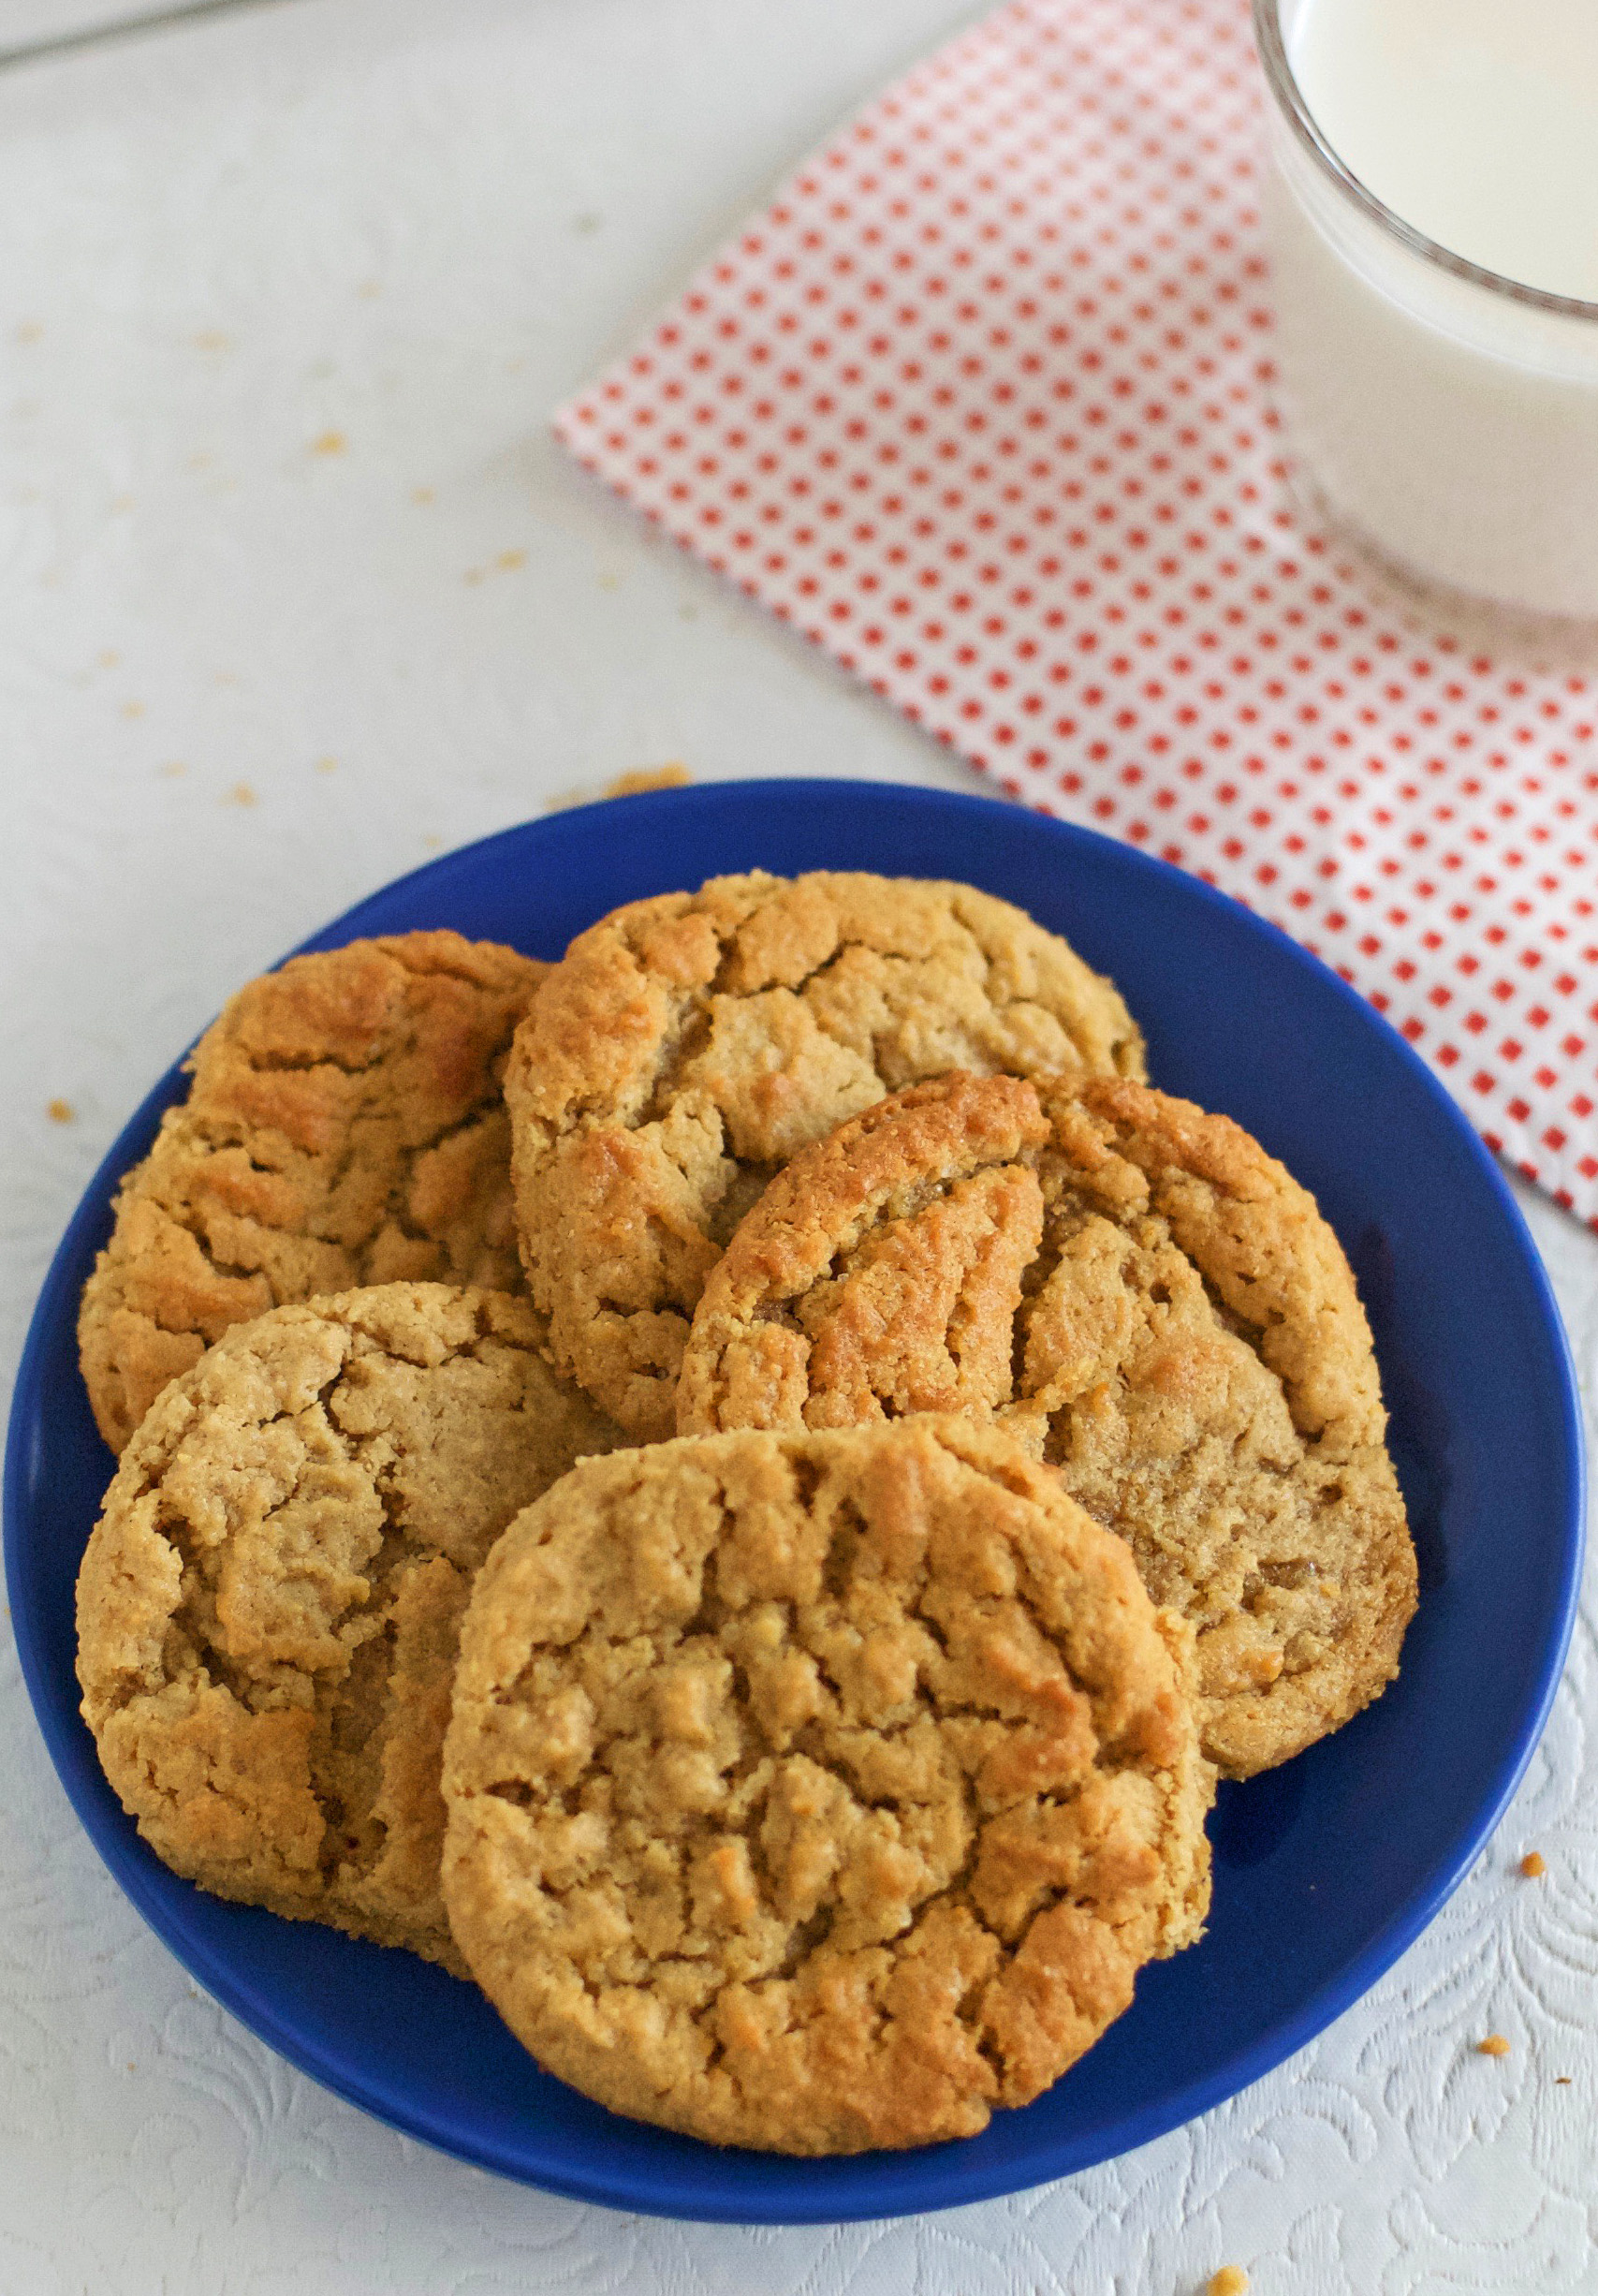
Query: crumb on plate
x=1495 y=2045
x=673 y=776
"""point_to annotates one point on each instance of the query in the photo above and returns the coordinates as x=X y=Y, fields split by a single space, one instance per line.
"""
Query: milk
x=1475 y=120
x=1450 y=422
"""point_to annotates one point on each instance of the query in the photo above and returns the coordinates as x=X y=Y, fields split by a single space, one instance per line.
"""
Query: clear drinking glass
x=1442 y=416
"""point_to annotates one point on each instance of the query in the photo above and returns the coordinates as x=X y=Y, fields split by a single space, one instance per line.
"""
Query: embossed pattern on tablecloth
x=981 y=403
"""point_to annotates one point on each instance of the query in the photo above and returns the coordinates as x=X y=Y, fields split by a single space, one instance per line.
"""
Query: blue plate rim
x=66 y=1742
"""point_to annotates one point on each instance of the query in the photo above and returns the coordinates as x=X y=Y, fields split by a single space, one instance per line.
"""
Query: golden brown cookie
x=269 y=1605
x=1165 y=1308
x=345 y=1126
x=818 y=1792
x=685 y=1047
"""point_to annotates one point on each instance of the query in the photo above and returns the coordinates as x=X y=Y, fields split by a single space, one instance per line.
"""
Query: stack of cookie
x=780 y=1638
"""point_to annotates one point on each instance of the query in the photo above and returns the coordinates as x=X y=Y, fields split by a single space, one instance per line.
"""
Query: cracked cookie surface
x=818 y=1792
x=1138 y=1287
x=686 y=1047
x=345 y=1126
x=269 y=1605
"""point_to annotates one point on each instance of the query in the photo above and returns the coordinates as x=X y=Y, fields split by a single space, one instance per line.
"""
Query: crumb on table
x=240 y=794
x=1231 y=2280
x=672 y=777
x=1533 y=1865
x=1495 y=2045
x=330 y=442
x=61 y=1111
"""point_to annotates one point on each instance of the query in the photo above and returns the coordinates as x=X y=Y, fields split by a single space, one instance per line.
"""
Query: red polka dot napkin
x=981 y=403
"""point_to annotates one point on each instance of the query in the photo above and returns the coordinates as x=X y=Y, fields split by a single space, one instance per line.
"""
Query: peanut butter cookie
x=818 y=1792
x=345 y=1126
x=686 y=1047
x=268 y=1608
x=1150 y=1295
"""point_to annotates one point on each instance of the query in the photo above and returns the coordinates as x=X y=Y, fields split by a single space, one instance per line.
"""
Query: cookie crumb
x=1231 y=2280
x=330 y=442
x=509 y=560
x=1495 y=2045
x=240 y=794
x=422 y=493
x=673 y=776
x=108 y=660
x=1562 y=2080
x=1533 y=1865
x=133 y=708
x=432 y=845
x=29 y=332
x=61 y=1111
x=327 y=765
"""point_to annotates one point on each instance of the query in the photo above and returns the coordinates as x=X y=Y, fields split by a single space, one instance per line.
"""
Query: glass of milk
x=1431 y=204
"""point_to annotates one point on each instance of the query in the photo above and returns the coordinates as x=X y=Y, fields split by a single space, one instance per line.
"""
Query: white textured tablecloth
x=296 y=591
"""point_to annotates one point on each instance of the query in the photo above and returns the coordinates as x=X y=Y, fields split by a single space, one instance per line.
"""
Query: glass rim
x=1272 y=50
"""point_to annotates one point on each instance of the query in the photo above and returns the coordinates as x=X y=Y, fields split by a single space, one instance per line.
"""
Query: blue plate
x=1325 y=1869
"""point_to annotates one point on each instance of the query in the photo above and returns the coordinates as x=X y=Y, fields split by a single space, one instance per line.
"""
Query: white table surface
x=296 y=592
